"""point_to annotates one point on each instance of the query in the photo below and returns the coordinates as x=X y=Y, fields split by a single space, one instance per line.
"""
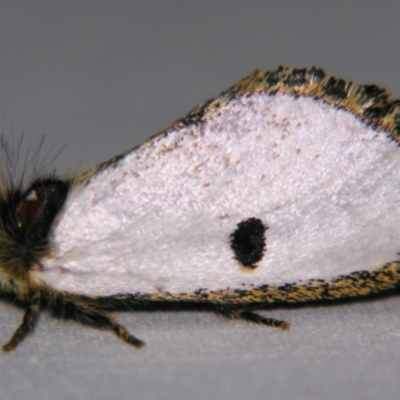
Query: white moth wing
x=325 y=184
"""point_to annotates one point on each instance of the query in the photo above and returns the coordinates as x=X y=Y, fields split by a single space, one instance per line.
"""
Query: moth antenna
x=18 y=164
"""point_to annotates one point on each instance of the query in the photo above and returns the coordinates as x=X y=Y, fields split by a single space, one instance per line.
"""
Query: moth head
x=26 y=218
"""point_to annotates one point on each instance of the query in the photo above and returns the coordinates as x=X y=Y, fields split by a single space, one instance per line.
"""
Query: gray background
x=101 y=76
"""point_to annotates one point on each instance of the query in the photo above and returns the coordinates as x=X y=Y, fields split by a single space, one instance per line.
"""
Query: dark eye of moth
x=248 y=242
x=39 y=206
x=29 y=209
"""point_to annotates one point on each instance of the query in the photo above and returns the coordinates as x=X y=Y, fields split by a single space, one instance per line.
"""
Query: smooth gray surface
x=100 y=77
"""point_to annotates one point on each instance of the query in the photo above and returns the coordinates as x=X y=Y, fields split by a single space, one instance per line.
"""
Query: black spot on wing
x=248 y=242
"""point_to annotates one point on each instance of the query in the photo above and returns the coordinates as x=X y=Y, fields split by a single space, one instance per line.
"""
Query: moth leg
x=80 y=310
x=105 y=321
x=253 y=317
x=27 y=325
x=125 y=335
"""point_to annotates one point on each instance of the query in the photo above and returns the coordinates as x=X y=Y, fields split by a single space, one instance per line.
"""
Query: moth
x=283 y=189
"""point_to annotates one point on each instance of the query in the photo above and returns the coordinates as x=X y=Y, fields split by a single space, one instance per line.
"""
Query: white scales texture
x=326 y=185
